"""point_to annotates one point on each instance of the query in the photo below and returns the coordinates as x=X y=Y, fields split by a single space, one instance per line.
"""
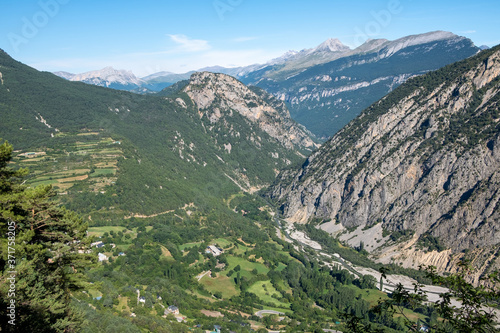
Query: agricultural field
x=90 y=161
x=246 y=266
x=265 y=290
x=223 y=243
x=222 y=284
x=99 y=231
x=187 y=246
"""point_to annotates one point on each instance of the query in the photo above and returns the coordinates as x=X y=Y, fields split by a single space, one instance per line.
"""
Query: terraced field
x=90 y=161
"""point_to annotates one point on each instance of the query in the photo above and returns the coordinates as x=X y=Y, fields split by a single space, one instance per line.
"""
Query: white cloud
x=468 y=32
x=186 y=44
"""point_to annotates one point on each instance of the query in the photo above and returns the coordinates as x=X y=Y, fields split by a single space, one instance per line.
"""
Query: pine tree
x=42 y=256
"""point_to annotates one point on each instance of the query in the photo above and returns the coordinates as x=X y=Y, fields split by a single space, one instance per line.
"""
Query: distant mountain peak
x=65 y=75
x=106 y=72
x=156 y=75
x=425 y=38
x=286 y=56
x=290 y=53
x=373 y=44
x=331 y=45
x=370 y=45
x=391 y=47
x=106 y=77
x=212 y=69
x=325 y=49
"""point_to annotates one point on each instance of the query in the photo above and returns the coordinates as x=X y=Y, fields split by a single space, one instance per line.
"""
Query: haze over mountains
x=319 y=84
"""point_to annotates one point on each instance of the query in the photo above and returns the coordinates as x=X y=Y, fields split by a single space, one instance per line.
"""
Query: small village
x=169 y=310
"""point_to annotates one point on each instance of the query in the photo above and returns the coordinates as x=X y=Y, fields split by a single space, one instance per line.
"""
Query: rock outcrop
x=218 y=95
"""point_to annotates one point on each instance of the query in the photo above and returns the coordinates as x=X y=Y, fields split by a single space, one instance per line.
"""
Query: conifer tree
x=42 y=256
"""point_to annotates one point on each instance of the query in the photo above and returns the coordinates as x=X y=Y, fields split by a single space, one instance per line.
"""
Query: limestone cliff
x=424 y=162
x=219 y=95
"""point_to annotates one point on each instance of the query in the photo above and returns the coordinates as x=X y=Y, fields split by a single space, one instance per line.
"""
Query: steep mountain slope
x=162 y=151
x=422 y=163
x=325 y=96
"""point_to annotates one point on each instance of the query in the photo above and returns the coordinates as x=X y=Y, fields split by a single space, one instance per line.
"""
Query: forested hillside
x=137 y=155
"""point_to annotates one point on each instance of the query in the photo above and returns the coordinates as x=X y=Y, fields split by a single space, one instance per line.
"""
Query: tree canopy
x=43 y=255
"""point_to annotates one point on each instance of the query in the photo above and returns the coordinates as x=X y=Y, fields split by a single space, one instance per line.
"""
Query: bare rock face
x=424 y=162
x=218 y=95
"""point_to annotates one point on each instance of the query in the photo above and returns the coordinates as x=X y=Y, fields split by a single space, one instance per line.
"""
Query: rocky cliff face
x=218 y=95
x=424 y=162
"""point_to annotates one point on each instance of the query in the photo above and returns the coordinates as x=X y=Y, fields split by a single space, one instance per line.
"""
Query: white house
x=172 y=309
x=98 y=244
x=102 y=257
x=214 y=250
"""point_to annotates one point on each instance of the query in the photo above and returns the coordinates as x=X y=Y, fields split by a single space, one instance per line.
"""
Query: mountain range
x=107 y=77
x=325 y=90
x=319 y=84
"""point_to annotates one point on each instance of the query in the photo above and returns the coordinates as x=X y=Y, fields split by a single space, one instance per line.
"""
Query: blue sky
x=149 y=36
